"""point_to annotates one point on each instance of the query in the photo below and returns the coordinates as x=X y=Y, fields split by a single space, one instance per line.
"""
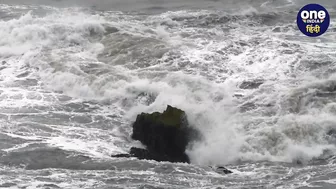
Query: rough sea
x=75 y=74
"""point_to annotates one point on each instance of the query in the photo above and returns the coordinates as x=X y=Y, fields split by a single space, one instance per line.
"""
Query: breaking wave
x=266 y=96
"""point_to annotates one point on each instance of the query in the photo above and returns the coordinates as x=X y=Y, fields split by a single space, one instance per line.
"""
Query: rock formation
x=221 y=170
x=166 y=136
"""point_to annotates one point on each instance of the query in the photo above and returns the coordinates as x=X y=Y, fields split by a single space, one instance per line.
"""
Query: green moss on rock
x=173 y=117
x=165 y=134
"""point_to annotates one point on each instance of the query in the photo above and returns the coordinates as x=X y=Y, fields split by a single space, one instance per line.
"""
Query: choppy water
x=74 y=75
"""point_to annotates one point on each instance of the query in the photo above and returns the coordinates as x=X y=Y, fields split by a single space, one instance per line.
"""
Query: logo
x=313 y=20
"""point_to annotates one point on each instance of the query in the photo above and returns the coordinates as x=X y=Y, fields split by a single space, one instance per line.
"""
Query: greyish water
x=74 y=75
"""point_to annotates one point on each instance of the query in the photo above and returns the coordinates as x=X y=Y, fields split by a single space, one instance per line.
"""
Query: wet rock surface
x=166 y=136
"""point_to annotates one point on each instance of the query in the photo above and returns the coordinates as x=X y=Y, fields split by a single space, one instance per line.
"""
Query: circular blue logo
x=313 y=20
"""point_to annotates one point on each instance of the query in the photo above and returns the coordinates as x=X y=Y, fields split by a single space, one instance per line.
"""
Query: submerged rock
x=152 y=155
x=222 y=170
x=122 y=155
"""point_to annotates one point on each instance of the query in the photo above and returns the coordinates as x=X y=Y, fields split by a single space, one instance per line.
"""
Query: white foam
x=96 y=148
x=57 y=46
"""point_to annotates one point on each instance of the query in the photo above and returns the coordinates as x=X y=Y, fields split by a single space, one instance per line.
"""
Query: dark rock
x=150 y=155
x=224 y=170
x=122 y=155
x=166 y=135
x=220 y=169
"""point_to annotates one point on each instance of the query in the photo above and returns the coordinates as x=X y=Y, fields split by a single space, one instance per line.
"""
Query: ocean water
x=74 y=75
